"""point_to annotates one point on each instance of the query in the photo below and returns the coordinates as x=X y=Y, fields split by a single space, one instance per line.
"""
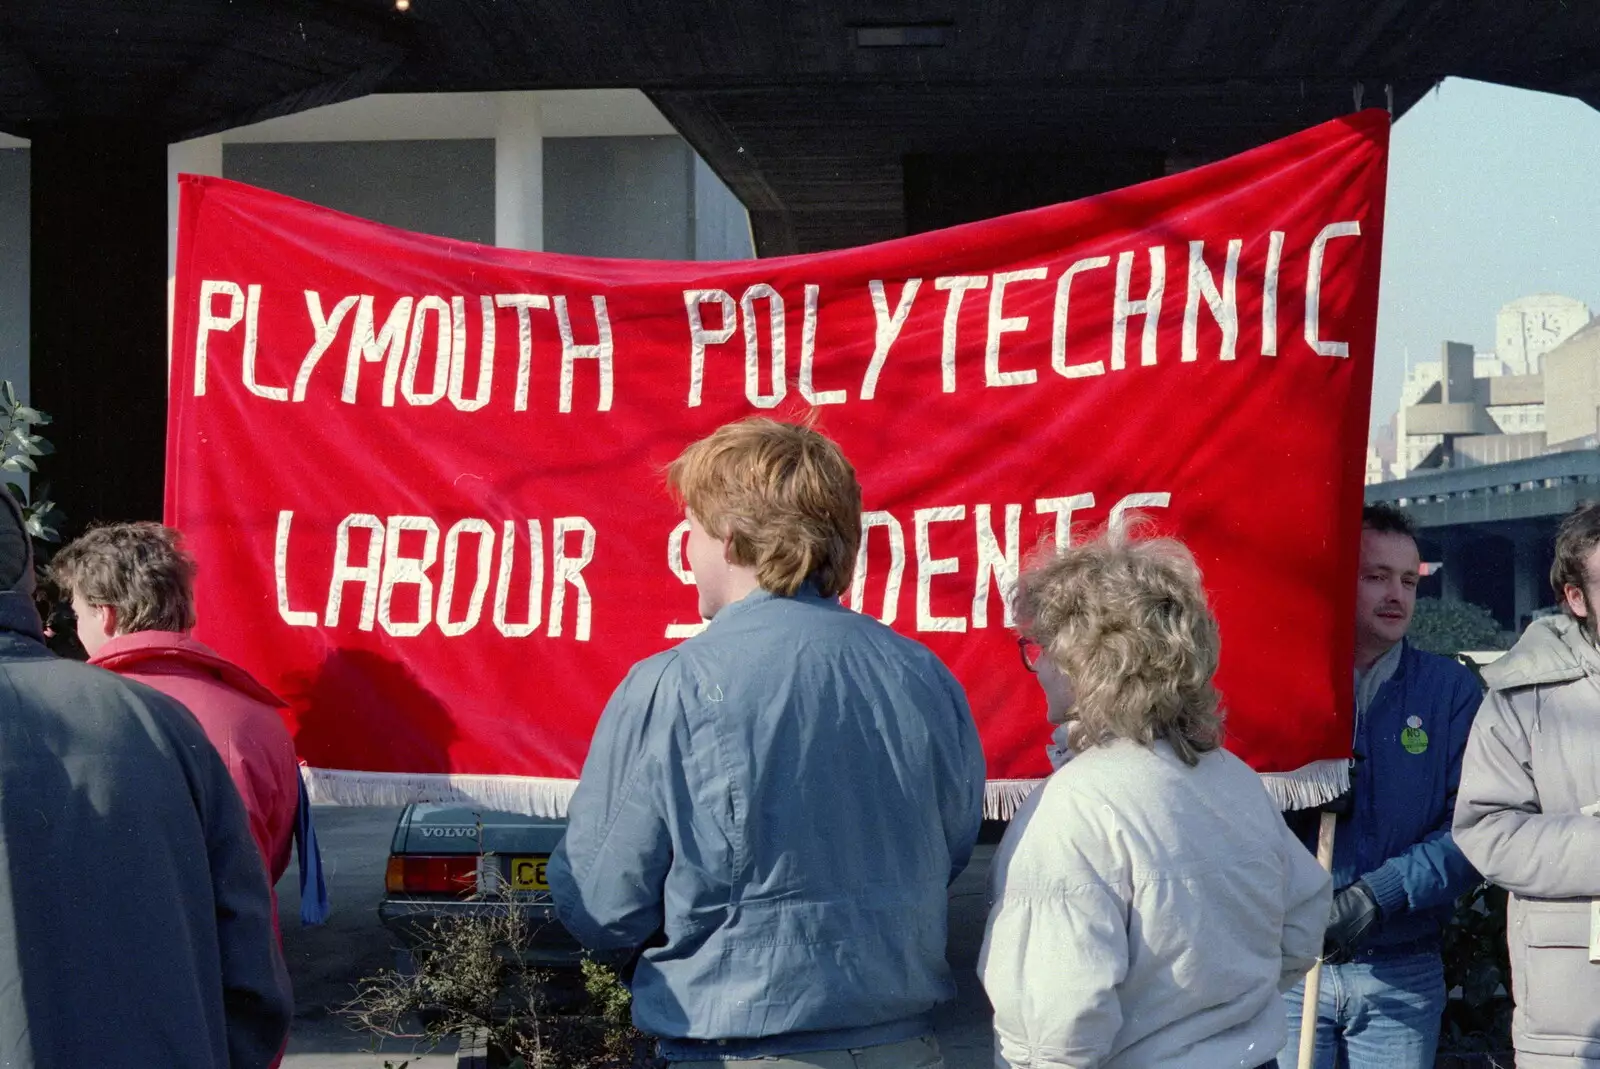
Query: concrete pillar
x=519 y=173
x=14 y=254
x=202 y=155
x=1530 y=579
x=99 y=365
x=1453 y=580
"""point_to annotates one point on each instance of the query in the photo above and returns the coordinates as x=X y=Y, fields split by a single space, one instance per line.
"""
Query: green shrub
x=18 y=448
x=1478 y=963
x=1448 y=627
x=472 y=976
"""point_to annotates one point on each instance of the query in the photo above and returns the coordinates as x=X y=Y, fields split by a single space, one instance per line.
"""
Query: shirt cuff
x=1388 y=890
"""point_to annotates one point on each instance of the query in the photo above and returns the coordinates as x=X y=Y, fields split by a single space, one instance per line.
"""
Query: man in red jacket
x=132 y=588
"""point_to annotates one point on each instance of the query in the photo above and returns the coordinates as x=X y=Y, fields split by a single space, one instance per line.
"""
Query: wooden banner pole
x=1313 y=988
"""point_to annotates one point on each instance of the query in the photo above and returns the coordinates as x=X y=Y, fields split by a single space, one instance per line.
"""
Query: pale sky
x=1494 y=194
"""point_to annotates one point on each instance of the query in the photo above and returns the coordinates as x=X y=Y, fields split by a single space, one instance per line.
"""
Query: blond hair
x=1125 y=619
x=784 y=497
x=139 y=569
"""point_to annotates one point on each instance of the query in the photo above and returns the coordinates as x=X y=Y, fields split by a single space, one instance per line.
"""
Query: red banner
x=423 y=478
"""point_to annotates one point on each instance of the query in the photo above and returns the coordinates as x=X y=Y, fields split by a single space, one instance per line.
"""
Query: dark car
x=448 y=860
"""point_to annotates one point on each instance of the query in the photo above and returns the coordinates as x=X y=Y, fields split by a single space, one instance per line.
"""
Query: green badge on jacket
x=1413 y=738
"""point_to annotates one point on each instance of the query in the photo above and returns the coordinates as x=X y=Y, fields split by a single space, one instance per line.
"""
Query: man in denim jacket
x=1396 y=870
x=771 y=812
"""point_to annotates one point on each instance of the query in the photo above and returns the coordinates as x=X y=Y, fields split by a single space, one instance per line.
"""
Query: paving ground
x=325 y=962
x=964 y=1026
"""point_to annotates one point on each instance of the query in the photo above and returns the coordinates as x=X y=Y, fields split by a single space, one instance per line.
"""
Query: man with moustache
x=1396 y=870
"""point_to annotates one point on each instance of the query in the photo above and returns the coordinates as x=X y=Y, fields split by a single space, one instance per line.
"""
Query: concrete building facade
x=1376 y=472
x=1444 y=420
x=1472 y=407
x=593 y=172
x=1572 y=404
x=1528 y=328
x=1412 y=447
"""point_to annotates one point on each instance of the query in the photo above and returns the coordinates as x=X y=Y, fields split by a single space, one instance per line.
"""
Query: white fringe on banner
x=1310 y=785
x=1003 y=797
x=529 y=795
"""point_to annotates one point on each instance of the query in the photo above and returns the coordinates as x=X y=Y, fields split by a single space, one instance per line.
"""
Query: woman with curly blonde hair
x=1148 y=902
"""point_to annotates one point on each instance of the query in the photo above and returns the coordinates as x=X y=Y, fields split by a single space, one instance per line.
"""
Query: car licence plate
x=527 y=874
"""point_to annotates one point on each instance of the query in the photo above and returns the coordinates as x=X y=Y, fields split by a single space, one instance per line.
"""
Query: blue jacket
x=773 y=811
x=1397 y=836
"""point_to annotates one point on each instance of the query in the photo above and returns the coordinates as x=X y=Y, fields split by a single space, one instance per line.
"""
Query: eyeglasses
x=1031 y=652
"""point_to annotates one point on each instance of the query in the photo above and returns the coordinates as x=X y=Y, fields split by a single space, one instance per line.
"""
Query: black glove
x=1355 y=911
x=1344 y=804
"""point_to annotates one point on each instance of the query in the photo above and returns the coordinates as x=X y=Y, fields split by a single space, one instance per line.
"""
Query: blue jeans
x=1380 y=1011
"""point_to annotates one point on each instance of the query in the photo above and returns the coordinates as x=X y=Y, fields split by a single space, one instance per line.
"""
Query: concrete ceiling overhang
x=808 y=110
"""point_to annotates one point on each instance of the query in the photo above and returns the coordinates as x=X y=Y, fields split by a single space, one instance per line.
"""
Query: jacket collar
x=1551 y=650
x=142 y=650
x=120 y=647
x=807 y=592
x=1385 y=668
x=1408 y=657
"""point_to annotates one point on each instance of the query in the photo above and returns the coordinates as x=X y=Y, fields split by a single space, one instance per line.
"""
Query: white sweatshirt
x=1145 y=913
